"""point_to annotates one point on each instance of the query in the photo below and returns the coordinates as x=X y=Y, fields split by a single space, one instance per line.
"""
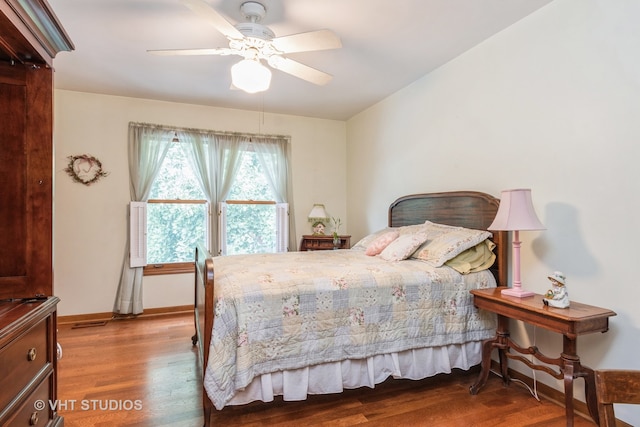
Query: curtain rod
x=214 y=132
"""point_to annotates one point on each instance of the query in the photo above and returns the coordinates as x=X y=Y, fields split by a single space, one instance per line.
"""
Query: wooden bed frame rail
x=203 y=316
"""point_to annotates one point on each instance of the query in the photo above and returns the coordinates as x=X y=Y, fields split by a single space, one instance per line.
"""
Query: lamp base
x=517 y=292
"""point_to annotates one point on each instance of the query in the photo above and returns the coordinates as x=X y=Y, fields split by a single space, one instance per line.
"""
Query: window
x=250 y=219
x=177 y=216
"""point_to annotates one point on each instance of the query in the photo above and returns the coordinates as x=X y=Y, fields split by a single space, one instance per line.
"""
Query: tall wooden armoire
x=30 y=37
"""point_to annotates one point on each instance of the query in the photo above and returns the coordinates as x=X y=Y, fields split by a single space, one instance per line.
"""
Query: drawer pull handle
x=33 y=420
x=31 y=355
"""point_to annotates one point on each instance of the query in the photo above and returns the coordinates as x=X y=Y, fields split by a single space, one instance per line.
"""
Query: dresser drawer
x=35 y=410
x=21 y=360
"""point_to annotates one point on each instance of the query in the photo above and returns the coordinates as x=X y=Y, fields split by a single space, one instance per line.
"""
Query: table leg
x=500 y=341
x=568 y=391
x=572 y=368
x=504 y=362
x=487 y=348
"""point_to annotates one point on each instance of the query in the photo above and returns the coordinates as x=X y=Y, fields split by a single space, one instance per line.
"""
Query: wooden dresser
x=28 y=363
x=323 y=242
x=30 y=37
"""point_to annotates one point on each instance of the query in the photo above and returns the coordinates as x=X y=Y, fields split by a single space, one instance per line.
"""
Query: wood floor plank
x=151 y=361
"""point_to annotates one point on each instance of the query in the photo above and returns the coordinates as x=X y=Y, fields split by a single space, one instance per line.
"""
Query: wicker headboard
x=470 y=209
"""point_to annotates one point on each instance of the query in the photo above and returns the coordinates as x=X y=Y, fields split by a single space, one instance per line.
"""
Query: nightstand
x=578 y=319
x=323 y=242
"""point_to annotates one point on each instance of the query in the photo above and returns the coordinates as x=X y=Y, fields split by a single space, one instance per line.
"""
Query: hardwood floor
x=143 y=372
x=148 y=362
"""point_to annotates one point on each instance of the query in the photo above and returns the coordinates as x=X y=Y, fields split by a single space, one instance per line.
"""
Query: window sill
x=171 y=268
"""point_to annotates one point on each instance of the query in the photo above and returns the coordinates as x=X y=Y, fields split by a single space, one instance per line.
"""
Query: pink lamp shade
x=516 y=213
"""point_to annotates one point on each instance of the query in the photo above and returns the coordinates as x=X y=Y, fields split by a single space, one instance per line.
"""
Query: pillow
x=410 y=229
x=478 y=258
x=402 y=247
x=366 y=240
x=446 y=242
x=380 y=243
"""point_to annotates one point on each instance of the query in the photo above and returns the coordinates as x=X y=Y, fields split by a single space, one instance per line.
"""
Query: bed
x=345 y=318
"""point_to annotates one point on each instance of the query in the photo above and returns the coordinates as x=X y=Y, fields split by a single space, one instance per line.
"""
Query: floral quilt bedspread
x=286 y=311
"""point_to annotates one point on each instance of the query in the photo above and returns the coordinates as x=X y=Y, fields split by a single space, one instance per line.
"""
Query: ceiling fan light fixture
x=250 y=76
x=254 y=42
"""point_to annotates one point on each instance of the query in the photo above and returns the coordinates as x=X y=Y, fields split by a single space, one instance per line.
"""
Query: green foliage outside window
x=174 y=229
x=251 y=228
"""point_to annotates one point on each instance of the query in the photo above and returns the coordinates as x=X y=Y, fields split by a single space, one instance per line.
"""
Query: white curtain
x=215 y=159
x=200 y=149
x=148 y=145
x=273 y=155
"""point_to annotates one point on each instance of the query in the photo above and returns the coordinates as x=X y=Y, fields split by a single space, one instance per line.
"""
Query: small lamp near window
x=516 y=214
x=318 y=217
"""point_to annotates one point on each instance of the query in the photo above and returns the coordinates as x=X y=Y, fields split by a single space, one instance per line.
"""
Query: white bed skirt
x=335 y=377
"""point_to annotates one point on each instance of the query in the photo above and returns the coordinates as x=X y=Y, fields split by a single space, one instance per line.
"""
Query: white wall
x=90 y=221
x=552 y=104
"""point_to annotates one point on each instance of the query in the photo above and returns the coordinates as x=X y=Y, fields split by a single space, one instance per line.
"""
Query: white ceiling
x=386 y=46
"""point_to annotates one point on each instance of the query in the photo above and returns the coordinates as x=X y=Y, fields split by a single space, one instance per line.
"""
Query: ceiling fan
x=256 y=42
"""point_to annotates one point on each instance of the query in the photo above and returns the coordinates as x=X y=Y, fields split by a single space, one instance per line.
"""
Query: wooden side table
x=323 y=242
x=578 y=319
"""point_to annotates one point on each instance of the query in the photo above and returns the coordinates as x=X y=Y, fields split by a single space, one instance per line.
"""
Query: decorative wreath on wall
x=85 y=169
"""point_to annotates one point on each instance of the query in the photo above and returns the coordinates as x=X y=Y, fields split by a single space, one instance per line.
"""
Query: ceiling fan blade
x=305 y=42
x=217 y=20
x=299 y=70
x=186 y=52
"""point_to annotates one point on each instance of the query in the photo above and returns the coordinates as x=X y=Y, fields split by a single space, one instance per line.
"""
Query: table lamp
x=318 y=216
x=516 y=214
